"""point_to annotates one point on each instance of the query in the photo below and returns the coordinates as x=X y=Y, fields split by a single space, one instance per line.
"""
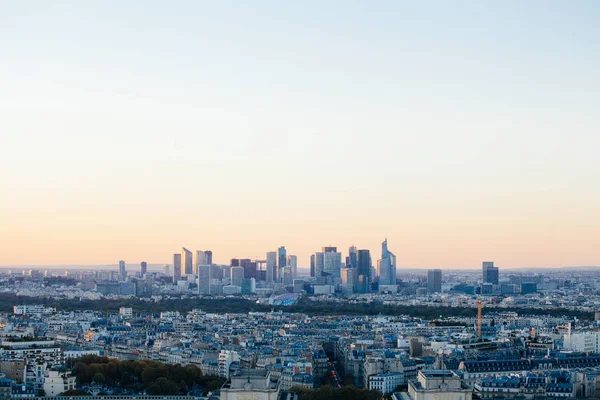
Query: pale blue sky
x=392 y=114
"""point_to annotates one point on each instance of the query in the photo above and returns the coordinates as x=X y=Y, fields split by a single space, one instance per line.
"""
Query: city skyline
x=462 y=133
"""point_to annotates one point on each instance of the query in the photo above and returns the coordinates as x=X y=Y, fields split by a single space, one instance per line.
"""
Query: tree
x=99 y=378
x=163 y=387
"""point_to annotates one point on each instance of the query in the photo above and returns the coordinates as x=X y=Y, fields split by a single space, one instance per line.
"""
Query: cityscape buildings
x=434 y=280
x=387 y=266
x=176 y=267
x=490 y=273
x=122 y=270
x=187 y=258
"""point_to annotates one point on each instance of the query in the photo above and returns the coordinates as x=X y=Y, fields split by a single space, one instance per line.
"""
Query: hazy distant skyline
x=461 y=131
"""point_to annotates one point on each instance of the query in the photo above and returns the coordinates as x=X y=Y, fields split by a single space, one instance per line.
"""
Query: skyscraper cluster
x=357 y=273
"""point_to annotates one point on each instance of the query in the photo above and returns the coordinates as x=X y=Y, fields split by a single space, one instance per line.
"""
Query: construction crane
x=479 y=308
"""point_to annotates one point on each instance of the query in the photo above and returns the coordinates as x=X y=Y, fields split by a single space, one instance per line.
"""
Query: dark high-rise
x=363 y=262
x=351 y=260
x=249 y=268
x=208 y=256
x=281 y=257
x=235 y=262
x=434 y=280
x=143 y=268
x=312 y=265
x=363 y=266
x=490 y=273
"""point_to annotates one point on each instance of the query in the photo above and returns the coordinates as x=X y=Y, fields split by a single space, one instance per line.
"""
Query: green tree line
x=151 y=377
x=241 y=305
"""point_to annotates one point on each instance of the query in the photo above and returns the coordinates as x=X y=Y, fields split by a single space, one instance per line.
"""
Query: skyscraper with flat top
x=281 y=262
x=204 y=278
x=352 y=258
x=491 y=274
x=319 y=264
x=332 y=262
x=187 y=257
x=434 y=280
x=387 y=266
x=292 y=262
x=122 y=270
x=363 y=271
x=272 y=266
x=143 y=268
x=202 y=258
x=176 y=267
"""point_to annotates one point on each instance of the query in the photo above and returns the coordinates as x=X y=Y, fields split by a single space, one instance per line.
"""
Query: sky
x=462 y=131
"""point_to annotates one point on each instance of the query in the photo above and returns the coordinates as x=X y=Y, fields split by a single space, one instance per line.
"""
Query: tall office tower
x=249 y=268
x=434 y=280
x=292 y=261
x=204 y=278
x=287 y=278
x=363 y=270
x=143 y=268
x=208 y=257
x=237 y=276
x=319 y=264
x=351 y=259
x=122 y=270
x=349 y=276
x=490 y=273
x=281 y=262
x=201 y=259
x=387 y=266
x=176 y=267
x=332 y=261
x=225 y=272
x=187 y=258
x=235 y=262
x=271 y=266
x=312 y=266
x=167 y=270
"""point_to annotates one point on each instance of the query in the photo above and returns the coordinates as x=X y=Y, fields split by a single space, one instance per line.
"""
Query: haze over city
x=461 y=134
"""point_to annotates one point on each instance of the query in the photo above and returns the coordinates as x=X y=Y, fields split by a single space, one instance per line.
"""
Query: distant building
x=143 y=268
x=332 y=261
x=187 y=258
x=250 y=269
x=490 y=273
x=255 y=384
x=237 y=276
x=319 y=264
x=434 y=280
x=352 y=260
x=387 y=266
x=122 y=270
x=202 y=258
x=127 y=312
x=248 y=286
x=58 y=380
x=271 y=266
x=281 y=261
x=435 y=384
x=363 y=271
x=204 y=278
x=176 y=267
x=292 y=262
